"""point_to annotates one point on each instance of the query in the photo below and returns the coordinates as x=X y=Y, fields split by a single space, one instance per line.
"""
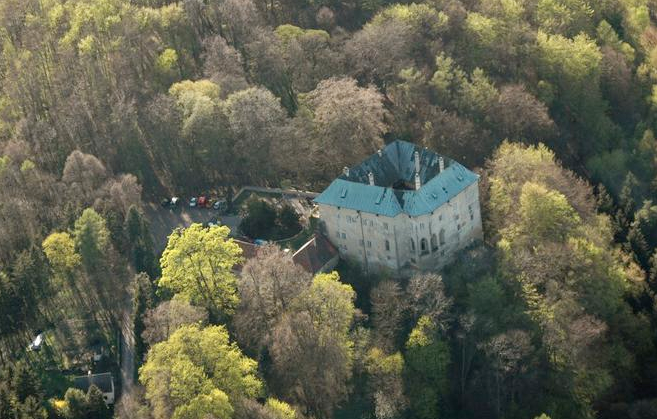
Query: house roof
x=393 y=169
x=315 y=254
x=103 y=381
x=248 y=251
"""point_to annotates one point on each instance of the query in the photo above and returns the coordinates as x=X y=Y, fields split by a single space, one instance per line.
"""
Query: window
x=441 y=236
x=471 y=217
x=424 y=247
x=456 y=217
x=440 y=217
x=344 y=236
x=337 y=233
x=422 y=226
x=360 y=242
x=458 y=226
x=387 y=246
x=385 y=226
x=371 y=223
x=369 y=243
x=434 y=243
x=412 y=245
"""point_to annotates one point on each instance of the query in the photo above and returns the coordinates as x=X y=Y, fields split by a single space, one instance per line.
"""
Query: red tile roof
x=315 y=254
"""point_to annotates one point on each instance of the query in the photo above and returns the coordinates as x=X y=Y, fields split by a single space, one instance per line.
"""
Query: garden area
x=264 y=221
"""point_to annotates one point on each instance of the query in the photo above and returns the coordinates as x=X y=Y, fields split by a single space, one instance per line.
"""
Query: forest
x=107 y=106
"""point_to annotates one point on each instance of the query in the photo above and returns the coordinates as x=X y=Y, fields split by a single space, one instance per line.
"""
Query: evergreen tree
x=143 y=300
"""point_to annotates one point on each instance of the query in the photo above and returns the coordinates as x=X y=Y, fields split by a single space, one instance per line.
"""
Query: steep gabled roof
x=103 y=381
x=394 y=166
x=315 y=254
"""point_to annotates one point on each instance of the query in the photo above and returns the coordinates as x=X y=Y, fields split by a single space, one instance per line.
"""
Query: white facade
x=403 y=243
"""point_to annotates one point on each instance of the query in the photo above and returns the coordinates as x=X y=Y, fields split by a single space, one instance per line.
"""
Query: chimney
x=345 y=171
x=417 y=181
x=441 y=163
x=370 y=176
x=417 y=162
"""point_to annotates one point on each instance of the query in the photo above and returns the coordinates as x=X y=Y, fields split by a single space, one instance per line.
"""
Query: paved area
x=163 y=221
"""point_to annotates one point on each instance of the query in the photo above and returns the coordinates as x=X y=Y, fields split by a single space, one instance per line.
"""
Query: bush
x=262 y=221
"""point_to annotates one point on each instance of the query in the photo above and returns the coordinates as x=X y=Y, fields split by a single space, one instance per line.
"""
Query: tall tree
x=197 y=264
x=311 y=346
x=197 y=372
x=91 y=239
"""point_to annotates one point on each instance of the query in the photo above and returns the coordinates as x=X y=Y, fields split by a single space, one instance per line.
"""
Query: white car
x=36 y=343
x=193 y=202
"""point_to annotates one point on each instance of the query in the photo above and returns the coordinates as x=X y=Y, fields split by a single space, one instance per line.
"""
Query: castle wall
x=400 y=243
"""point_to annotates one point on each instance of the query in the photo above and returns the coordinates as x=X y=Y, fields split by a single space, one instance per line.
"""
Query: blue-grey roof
x=394 y=175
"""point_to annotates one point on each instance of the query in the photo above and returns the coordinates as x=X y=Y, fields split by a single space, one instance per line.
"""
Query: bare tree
x=267 y=286
x=311 y=368
x=348 y=122
x=378 y=52
x=426 y=293
x=161 y=321
x=388 y=308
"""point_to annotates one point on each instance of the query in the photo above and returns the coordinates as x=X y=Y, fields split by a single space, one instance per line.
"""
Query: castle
x=402 y=209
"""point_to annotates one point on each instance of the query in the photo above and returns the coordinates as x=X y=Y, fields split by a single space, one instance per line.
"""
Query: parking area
x=164 y=220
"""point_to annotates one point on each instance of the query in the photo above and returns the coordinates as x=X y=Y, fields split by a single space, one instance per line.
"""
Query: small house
x=104 y=382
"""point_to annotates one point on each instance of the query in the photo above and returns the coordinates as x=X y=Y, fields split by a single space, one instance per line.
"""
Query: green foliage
x=27 y=165
x=206 y=372
x=139 y=237
x=287 y=33
x=197 y=264
x=545 y=214
x=263 y=221
x=281 y=409
x=61 y=253
x=144 y=299
x=91 y=239
x=260 y=219
x=78 y=405
x=427 y=360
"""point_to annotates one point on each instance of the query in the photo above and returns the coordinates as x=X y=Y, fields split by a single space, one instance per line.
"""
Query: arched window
x=442 y=236
x=434 y=243
x=412 y=245
x=424 y=246
x=387 y=246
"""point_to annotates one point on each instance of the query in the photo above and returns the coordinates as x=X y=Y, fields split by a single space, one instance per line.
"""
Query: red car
x=202 y=201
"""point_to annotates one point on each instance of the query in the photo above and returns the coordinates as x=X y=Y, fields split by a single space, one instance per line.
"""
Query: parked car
x=174 y=201
x=213 y=222
x=36 y=343
x=193 y=202
x=219 y=204
x=165 y=203
x=202 y=201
